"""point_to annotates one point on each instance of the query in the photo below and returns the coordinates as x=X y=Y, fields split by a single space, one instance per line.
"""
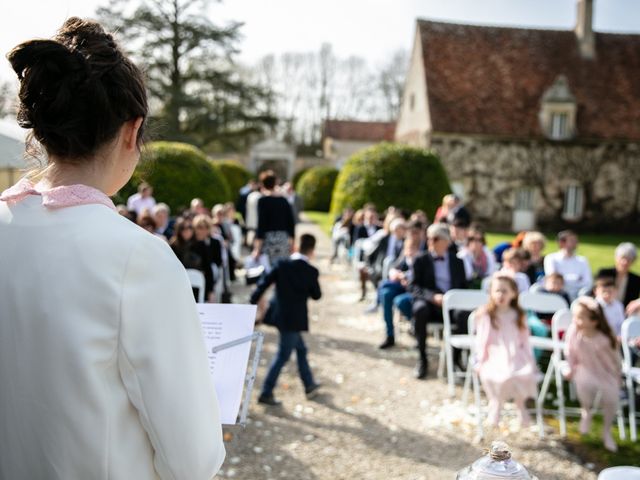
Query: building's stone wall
x=493 y=170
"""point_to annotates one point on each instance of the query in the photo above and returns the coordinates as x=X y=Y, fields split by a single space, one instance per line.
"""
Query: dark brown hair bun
x=76 y=90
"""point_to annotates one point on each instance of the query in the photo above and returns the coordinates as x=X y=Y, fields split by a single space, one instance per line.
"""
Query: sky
x=372 y=29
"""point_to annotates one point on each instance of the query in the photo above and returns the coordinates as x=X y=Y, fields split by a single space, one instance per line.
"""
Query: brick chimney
x=584 y=29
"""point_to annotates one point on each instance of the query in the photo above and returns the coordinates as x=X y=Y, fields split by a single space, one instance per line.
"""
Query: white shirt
x=103 y=369
x=521 y=279
x=252 y=210
x=614 y=313
x=574 y=269
x=139 y=203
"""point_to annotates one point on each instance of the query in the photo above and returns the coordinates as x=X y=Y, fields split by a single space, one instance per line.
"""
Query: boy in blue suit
x=296 y=280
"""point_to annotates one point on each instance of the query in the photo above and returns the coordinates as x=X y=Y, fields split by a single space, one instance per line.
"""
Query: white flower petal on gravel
x=278 y=458
x=234 y=460
x=309 y=438
x=339 y=379
x=258 y=449
x=259 y=424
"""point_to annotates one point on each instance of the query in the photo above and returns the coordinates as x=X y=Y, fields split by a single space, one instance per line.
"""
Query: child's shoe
x=609 y=442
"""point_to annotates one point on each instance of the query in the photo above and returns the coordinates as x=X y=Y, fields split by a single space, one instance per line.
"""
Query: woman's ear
x=130 y=131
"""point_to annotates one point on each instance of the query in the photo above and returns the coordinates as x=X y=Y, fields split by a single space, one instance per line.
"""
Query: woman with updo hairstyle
x=103 y=368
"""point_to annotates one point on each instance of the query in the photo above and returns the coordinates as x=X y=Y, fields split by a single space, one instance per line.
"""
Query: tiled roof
x=359 y=131
x=490 y=80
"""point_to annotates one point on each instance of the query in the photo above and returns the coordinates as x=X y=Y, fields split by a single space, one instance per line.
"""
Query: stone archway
x=275 y=155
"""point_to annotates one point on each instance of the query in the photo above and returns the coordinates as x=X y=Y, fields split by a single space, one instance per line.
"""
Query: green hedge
x=297 y=176
x=178 y=172
x=391 y=174
x=237 y=176
x=316 y=186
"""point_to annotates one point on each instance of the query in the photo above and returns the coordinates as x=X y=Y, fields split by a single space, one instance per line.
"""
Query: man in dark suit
x=296 y=280
x=434 y=273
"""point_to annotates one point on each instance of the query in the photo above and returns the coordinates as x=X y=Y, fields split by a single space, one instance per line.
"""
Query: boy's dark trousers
x=289 y=341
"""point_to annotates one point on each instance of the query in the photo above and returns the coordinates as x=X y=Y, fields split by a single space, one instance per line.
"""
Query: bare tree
x=7 y=99
x=391 y=79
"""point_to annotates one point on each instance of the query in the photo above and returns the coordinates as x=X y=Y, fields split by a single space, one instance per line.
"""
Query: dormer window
x=558 y=111
x=559 y=125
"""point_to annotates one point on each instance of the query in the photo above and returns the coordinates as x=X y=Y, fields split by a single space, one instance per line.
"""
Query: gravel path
x=372 y=420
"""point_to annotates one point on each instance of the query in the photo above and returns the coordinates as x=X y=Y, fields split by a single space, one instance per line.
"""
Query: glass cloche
x=496 y=464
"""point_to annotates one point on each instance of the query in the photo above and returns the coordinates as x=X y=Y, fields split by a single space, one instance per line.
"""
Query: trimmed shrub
x=178 y=172
x=391 y=174
x=237 y=176
x=316 y=186
x=297 y=176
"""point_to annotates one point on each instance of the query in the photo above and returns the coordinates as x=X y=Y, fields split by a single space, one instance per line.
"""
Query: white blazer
x=103 y=369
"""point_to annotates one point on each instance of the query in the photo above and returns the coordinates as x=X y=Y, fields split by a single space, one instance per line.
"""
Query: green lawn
x=597 y=248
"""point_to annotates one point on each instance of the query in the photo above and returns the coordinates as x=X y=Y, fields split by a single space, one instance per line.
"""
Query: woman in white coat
x=103 y=370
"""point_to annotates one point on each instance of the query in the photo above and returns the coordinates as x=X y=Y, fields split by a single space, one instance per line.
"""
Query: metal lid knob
x=496 y=464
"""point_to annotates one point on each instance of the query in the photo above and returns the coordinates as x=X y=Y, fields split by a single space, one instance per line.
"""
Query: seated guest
x=197 y=207
x=458 y=229
x=210 y=251
x=387 y=249
x=369 y=226
x=419 y=216
x=458 y=213
x=393 y=291
x=533 y=243
x=434 y=273
x=147 y=222
x=606 y=295
x=513 y=263
x=627 y=283
x=220 y=219
x=341 y=232
x=164 y=225
x=182 y=243
x=142 y=200
x=448 y=202
x=479 y=262
x=574 y=268
x=554 y=283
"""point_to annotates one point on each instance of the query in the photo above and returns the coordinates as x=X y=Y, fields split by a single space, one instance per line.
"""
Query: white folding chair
x=620 y=473
x=630 y=331
x=541 y=302
x=196 y=277
x=476 y=383
x=559 y=324
x=456 y=299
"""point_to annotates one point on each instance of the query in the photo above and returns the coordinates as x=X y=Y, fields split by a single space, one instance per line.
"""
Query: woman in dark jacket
x=275 y=233
x=627 y=283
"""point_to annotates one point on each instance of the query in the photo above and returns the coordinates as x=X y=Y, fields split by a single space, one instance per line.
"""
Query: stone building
x=536 y=128
x=343 y=138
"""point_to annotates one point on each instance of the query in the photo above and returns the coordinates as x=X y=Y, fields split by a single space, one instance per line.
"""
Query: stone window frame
x=525 y=198
x=550 y=112
x=573 y=201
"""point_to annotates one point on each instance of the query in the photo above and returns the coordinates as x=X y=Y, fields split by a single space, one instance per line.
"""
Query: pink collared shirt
x=57 y=197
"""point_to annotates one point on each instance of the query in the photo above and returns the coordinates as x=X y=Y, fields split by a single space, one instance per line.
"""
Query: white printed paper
x=223 y=323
